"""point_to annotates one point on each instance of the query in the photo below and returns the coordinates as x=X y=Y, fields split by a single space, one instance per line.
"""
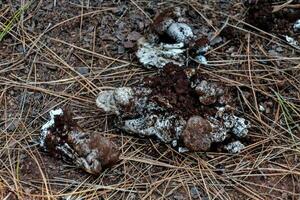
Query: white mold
x=226 y=123
x=208 y=92
x=240 y=127
x=123 y=95
x=106 y=101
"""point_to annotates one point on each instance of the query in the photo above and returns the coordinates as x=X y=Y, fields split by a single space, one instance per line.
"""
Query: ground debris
x=62 y=137
x=260 y=14
x=170 y=108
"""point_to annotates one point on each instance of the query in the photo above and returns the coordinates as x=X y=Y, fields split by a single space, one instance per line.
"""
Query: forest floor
x=63 y=53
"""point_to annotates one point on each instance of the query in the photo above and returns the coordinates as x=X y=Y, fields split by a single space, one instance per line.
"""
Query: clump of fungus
x=168 y=42
x=170 y=108
x=62 y=137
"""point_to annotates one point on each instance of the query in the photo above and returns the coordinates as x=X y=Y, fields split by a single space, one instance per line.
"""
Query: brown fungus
x=196 y=135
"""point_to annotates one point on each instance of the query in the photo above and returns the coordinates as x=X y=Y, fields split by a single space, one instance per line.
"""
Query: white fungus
x=180 y=32
x=201 y=59
x=297 y=25
x=224 y=123
x=158 y=55
x=292 y=42
x=146 y=118
x=240 y=127
x=48 y=125
x=111 y=100
x=123 y=95
x=90 y=151
x=159 y=126
x=234 y=147
x=219 y=133
x=208 y=92
x=106 y=101
x=166 y=24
